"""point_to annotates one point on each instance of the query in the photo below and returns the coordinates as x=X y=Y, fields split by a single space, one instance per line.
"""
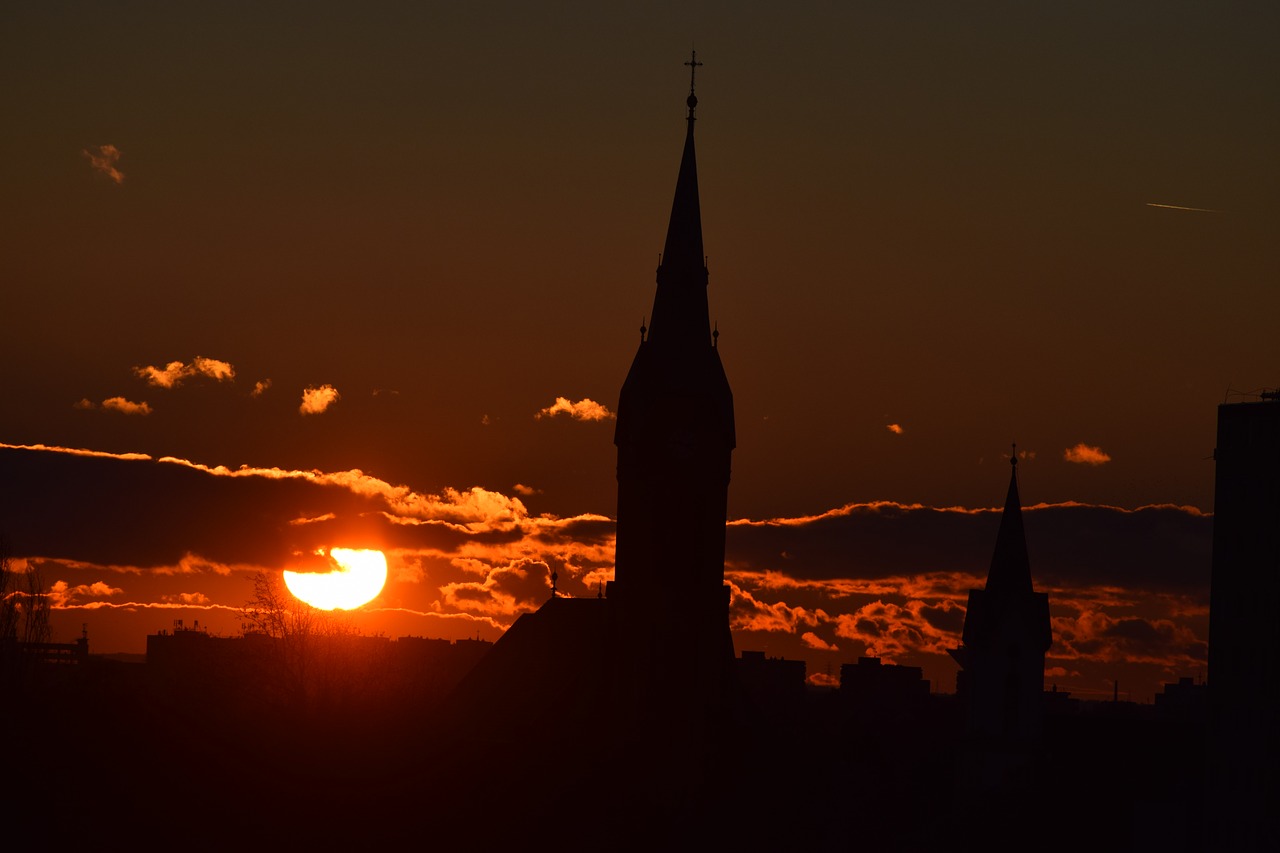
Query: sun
x=359 y=578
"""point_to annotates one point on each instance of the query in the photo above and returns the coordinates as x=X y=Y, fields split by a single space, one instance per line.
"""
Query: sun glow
x=358 y=579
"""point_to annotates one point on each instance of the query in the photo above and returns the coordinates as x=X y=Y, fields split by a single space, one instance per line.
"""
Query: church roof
x=680 y=314
x=1010 y=570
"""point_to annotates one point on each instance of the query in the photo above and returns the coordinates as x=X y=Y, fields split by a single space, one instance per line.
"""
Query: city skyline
x=893 y=311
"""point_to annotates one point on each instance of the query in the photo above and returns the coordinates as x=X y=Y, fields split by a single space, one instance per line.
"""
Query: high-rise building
x=1244 y=632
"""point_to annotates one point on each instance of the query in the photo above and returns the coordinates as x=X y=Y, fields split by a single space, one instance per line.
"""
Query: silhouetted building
x=768 y=680
x=1006 y=635
x=1185 y=701
x=675 y=436
x=1244 y=633
x=654 y=654
x=871 y=681
x=334 y=667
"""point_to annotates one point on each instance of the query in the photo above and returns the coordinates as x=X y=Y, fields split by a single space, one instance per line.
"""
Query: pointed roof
x=683 y=248
x=1010 y=567
x=680 y=313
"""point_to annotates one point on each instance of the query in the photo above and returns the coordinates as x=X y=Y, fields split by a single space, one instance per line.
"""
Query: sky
x=283 y=276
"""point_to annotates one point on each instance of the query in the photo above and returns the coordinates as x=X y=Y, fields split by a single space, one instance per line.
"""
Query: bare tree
x=24 y=614
x=303 y=647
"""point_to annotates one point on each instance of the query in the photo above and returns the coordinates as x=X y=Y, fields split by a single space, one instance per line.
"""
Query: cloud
x=175 y=373
x=525 y=491
x=813 y=641
x=1128 y=588
x=260 y=388
x=585 y=409
x=126 y=407
x=519 y=587
x=115 y=404
x=891 y=631
x=103 y=160
x=62 y=594
x=317 y=400
x=748 y=613
x=896 y=429
x=187 y=598
x=1084 y=454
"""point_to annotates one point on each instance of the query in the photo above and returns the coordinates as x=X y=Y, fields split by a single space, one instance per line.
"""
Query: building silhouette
x=872 y=681
x=1006 y=634
x=675 y=436
x=1244 y=633
x=654 y=653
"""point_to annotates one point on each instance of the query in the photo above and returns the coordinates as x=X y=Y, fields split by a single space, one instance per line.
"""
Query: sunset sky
x=282 y=276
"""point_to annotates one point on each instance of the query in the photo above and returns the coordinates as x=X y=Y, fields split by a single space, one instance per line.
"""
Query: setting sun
x=358 y=579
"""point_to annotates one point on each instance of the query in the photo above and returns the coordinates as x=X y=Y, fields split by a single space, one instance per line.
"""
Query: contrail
x=1180 y=207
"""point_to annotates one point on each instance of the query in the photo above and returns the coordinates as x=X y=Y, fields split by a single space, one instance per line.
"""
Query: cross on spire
x=693 y=64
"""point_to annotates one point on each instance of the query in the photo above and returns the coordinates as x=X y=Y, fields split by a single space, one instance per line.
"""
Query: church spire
x=680 y=314
x=1010 y=567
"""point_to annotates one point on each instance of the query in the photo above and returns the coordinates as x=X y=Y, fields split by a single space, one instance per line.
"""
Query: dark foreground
x=112 y=757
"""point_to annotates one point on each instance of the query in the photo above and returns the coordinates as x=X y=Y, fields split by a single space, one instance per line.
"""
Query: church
x=652 y=653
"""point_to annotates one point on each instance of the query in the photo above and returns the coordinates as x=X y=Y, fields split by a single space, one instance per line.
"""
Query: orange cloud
x=896 y=429
x=126 y=407
x=520 y=587
x=891 y=631
x=175 y=373
x=317 y=400
x=187 y=598
x=103 y=159
x=747 y=613
x=822 y=679
x=813 y=641
x=1084 y=454
x=260 y=388
x=526 y=491
x=585 y=409
x=78 y=451
x=62 y=594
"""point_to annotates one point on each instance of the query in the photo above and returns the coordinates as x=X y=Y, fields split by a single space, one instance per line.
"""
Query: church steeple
x=680 y=315
x=1010 y=570
x=675 y=439
x=1006 y=634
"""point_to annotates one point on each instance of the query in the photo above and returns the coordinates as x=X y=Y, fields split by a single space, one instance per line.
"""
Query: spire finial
x=1013 y=457
x=693 y=64
x=643 y=329
x=715 y=335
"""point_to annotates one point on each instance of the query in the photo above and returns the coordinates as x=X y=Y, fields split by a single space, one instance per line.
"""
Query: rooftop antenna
x=554 y=577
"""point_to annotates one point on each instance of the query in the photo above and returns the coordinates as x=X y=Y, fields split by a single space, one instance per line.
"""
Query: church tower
x=1006 y=635
x=675 y=436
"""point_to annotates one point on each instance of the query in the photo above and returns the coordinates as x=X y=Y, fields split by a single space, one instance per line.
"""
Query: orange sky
x=390 y=239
